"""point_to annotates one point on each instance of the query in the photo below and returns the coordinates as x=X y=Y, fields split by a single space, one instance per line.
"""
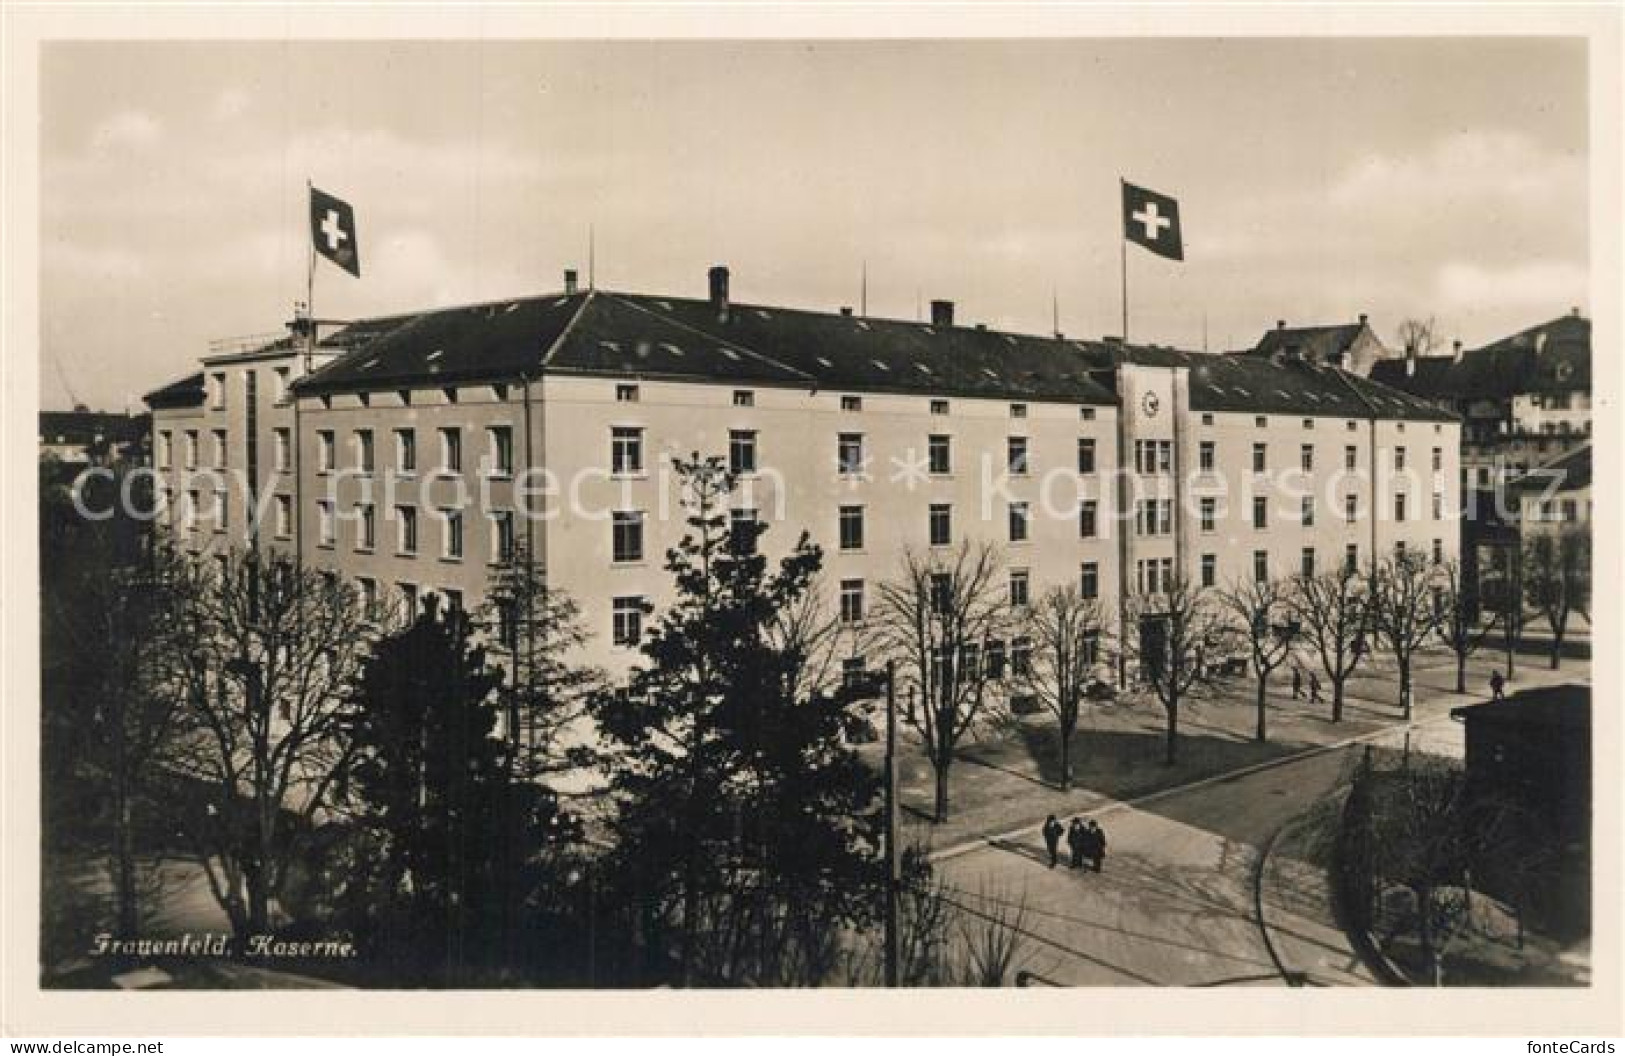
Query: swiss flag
x=332 y=231
x=1152 y=220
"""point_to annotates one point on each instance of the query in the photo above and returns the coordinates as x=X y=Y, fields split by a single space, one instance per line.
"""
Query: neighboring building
x=1555 y=495
x=81 y=437
x=1354 y=347
x=412 y=452
x=1534 y=749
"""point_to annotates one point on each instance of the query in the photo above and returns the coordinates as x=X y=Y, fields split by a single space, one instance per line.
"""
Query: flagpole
x=310 y=286
x=1122 y=247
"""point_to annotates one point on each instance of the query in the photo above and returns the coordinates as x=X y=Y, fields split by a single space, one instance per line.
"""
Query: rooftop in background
x=1550 y=359
x=1568 y=472
x=1324 y=344
x=83 y=427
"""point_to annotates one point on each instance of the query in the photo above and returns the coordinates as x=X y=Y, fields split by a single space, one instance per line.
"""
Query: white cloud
x=1536 y=286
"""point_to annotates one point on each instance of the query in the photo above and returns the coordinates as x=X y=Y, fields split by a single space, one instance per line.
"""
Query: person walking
x=1097 y=844
x=1314 y=688
x=1052 y=839
x=1075 y=839
x=1498 y=685
x=1297 y=682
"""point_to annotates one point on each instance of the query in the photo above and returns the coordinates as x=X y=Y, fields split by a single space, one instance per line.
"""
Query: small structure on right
x=1534 y=749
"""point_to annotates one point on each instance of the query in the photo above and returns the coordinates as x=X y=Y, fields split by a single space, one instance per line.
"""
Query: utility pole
x=894 y=876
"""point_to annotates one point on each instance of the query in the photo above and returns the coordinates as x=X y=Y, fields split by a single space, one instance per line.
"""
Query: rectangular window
x=941 y=524
x=849 y=454
x=851 y=601
x=1089 y=580
x=742 y=450
x=279 y=384
x=451 y=450
x=1308 y=423
x=1021 y=657
x=282 y=450
x=851 y=528
x=1438 y=459
x=744 y=398
x=501 y=444
x=1351 y=557
x=407 y=538
x=1306 y=458
x=940 y=452
x=1088 y=519
x=853 y=404
x=502 y=536
x=406 y=450
x=1086 y=413
x=409 y=598
x=222 y=510
x=942 y=592
x=219 y=448
x=1261 y=422
x=324 y=523
x=165 y=449
x=1399 y=507
x=284 y=517
x=1260 y=513
x=1261 y=566
x=368 y=589
x=1020 y=588
x=1308 y=511
x=1165 y=517
x=1016 y=455
x=325 y=450
x=625 y=450
x=1399 y=459
x=363 y=450
x=1438 y=551
x=1205 y=452
x=1308 y=561
x=1438 y=506
x=626 y=621
x=1351 y=457
x=1351 y=506
x=1086 y=455
x=366 y=527
x=939 y=406
x=217 y=391
x=742 y=531
x=1018 y=410
x=1260 y=457
x=452 y=550
x=1207 y=512
x=626 y=535
x=626 y=394
x=1210 y=570
x=1207 y=419
x=1018 y=522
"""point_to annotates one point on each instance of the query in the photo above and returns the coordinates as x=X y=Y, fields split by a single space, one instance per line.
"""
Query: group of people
x=1086 y=841
x=1297 y=685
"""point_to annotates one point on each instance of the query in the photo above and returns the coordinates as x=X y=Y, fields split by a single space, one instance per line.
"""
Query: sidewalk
x=1009 y=780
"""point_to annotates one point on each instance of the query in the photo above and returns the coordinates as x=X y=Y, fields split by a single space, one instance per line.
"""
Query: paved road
x=1175 y=903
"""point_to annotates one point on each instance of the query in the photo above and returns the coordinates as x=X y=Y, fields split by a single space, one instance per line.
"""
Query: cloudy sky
x=1317 y=180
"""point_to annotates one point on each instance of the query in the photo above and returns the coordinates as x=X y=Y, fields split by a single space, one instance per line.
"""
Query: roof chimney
x=1455 y=351
x=1280 y=324
x=1363 y=318
x=719 y=292
x=569 y=280
x=1410 y=359
x=846 y=309
x=1575 y=311
x=942 y=313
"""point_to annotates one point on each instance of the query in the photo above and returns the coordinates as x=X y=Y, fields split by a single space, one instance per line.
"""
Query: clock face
x=1150 y=403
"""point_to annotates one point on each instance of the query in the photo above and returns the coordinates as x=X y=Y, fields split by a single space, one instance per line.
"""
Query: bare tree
x=1176 y=636
x=1418 y=336
x=1332 y=610
x=1065 y=629
x=1557 y=579
x=265 y=652
x=1403 y=612
x=1264 y=618
x=1461 y=625
x=939 y=619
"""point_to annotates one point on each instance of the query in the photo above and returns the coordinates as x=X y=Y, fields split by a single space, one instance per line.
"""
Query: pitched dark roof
x=86 y=427
x=1319 y=343
x=185 y=392
x=1549 y=359
x=639 y=335
x=1570 y=471
x=629 y=335
x=1248 y=383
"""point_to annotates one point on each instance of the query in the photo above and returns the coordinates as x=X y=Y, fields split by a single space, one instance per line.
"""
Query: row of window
x=218 y=389
x=1261 y=563
x=499 y=450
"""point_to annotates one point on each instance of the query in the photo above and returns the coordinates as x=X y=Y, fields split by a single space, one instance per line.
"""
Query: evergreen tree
x=746 y=825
